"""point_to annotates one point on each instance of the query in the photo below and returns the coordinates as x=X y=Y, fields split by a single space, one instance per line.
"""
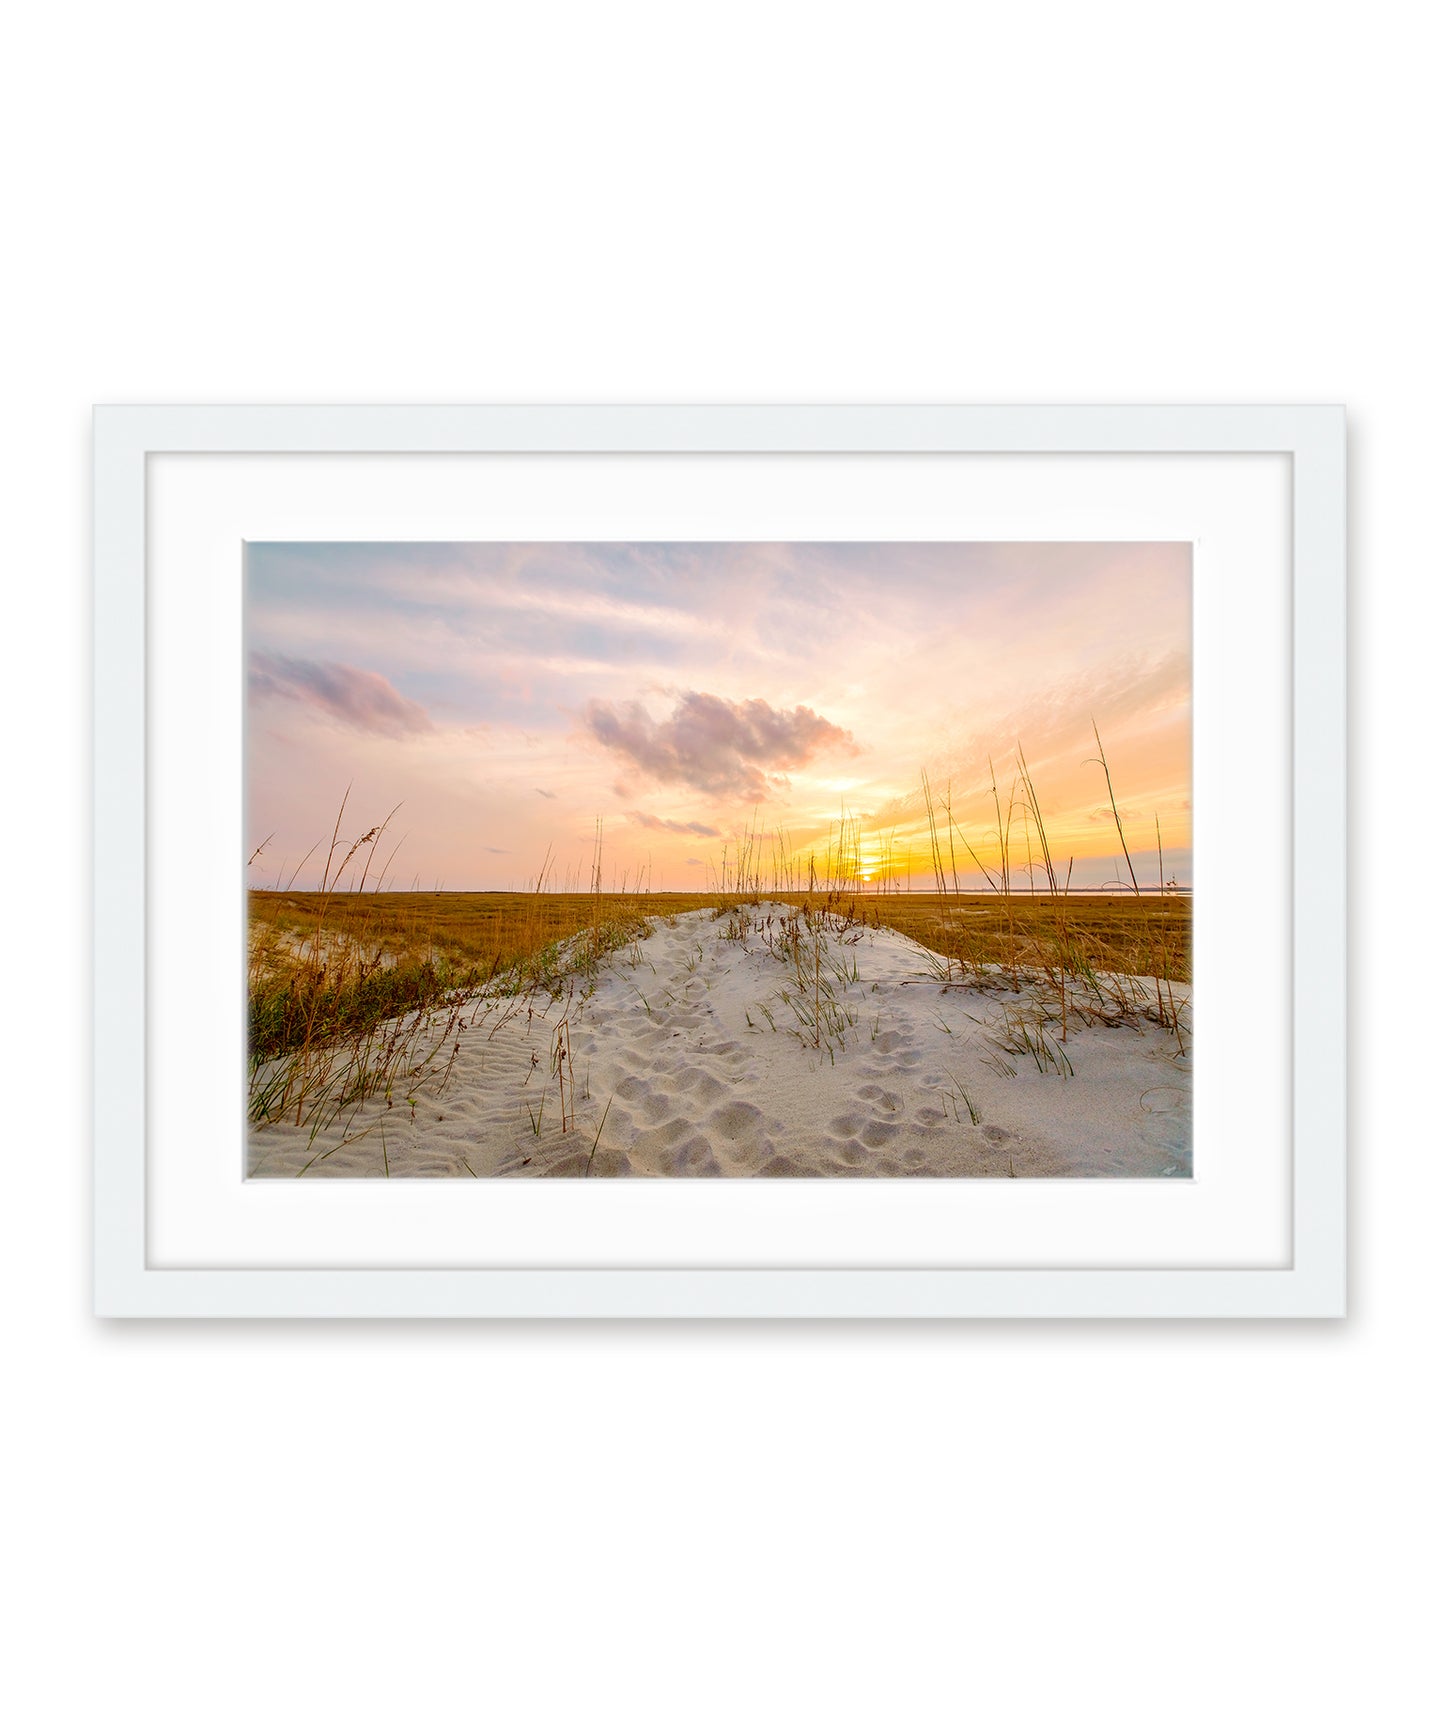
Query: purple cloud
x=355 y=696
x=690 y=828
x=714 y=744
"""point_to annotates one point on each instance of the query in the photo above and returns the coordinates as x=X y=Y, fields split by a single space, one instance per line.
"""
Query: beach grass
x=481 y=935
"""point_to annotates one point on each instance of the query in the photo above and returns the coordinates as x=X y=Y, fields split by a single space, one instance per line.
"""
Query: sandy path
x=717 y=1051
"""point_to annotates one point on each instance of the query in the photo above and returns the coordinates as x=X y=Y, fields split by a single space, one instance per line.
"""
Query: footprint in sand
x=676 y=1147
x=849 y=1153
x=737 y=1120
x=698 y=1084
x=860 y=1129
x=742 y=1141
x=900 y=1062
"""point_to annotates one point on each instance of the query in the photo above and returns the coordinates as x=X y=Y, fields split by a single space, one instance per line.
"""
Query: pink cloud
x=715 y=744
x=355 y=696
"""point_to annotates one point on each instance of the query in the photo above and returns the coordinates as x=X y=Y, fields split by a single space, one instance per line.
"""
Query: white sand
x=674 y=1044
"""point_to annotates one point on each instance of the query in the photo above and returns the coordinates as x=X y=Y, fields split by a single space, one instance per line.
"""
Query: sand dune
x=750 y=1044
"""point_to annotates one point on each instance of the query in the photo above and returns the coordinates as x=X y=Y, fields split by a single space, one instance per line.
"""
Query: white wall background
x=1009 y=1527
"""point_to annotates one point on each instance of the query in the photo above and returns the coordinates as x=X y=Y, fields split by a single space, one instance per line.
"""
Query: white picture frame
x=131 y=1068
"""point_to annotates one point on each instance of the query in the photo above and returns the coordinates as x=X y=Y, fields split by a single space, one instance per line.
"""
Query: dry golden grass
x=492 y=932
x=1122 y=935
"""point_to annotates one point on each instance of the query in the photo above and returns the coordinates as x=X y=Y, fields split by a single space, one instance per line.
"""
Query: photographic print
x=728 y=860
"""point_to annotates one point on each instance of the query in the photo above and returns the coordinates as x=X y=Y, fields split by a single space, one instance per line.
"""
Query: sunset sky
x=508 y=696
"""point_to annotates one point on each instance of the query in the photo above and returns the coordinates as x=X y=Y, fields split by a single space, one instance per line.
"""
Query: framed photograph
x=719 y=862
